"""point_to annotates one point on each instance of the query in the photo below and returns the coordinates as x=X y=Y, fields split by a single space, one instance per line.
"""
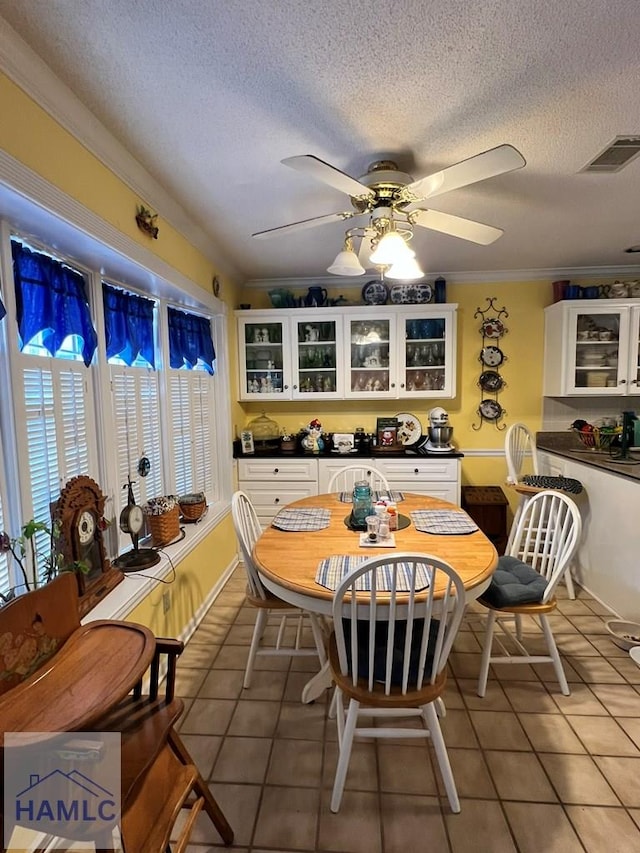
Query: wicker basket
x=193 y=506
x=166 y=527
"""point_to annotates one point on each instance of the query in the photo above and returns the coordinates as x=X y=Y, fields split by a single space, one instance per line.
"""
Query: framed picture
x=246 y=441
x=387 y=432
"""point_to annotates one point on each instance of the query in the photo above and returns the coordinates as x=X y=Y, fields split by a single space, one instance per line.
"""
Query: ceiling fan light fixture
x=346 y=262
x=391 y=249
x=405 y=270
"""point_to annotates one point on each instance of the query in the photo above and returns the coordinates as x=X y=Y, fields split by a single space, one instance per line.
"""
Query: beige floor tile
x=623 y=774
x=239 y=804
x=561 y=624
x=551 y=733
x=602 y=829
x=465 y=665
x=222 y=615
x=208 y=716
x=494 y=699
x=302 y=721
x=541 y=827
x=305 y=663
x=470 y=773
x=210 y=632
x=294 y=685
x=356 y=828
x=603 y=736
x=252 y=718
x=628 y=668
x=189 y=681
x=530 y=696
x=296 y=762
x=406 y=769
x=408 y=818
x=575 y=644
x=246 y=616
x=242 y=760
x=288 y=818
x=607 y=647
x=222 y=684
x=632 y=728
x=466 y=641
x=581 y=701
x=547 y=674
x=452 y=697
x=198 y=656
x=231 y=598
x=578 y=780
x=480 y=826
x=231 y=657
x=363 y=766
x=203 y=750
x=499 y=730
x=575 y=607
x=275 y=663
x=600 y=609
x=239 y=634
x=595 y=670
x=519 y=776
x=512 y=672
x=635 y=814
x=590 y=624
x=265 y=685
x=457 y=730
x=620 y=700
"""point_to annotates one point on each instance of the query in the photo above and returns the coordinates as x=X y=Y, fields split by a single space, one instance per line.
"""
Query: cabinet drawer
x=278 y=469
x=418 y=470
x=269 y=498
x=446 y=491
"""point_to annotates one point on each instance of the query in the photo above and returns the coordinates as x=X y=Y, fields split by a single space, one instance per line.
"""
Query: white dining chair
x=520 y=443
x=344 y=479
x=247 y=527
x=524 y=583
x=388 y=654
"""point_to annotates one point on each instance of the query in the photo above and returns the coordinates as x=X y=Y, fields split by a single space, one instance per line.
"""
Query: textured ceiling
x=210 y=96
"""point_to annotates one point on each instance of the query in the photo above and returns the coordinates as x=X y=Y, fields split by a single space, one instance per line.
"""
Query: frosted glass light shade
x=346 y=263
x=391 y=249
x=405 y=270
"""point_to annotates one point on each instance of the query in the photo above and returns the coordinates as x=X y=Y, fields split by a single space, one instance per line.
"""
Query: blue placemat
x=313 y=518
x=347 y=497
x=443 y=522
x=332 y=570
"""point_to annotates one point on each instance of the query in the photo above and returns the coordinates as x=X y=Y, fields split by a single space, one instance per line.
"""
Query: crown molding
x=336 y=282
x=28 y=71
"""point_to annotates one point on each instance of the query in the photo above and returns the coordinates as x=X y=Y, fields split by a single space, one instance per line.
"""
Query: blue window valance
x=51 y=299
x=190 y=341
x=128 y=320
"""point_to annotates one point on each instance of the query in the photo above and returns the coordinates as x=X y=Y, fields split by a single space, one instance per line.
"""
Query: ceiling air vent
x=616 y=155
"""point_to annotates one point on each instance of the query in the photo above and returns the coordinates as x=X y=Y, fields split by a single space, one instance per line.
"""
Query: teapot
x=316 y=296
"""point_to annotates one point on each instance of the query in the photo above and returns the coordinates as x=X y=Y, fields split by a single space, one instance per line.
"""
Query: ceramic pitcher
x=315 y=297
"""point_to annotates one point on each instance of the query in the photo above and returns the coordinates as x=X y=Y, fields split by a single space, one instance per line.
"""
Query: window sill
x=136 y=586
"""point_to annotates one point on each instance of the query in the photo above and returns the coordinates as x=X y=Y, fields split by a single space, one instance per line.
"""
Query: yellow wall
x=30 y=135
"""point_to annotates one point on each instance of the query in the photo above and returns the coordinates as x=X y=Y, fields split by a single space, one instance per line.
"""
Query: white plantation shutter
x=136 y=408
x=191 y=408
x=57 y=434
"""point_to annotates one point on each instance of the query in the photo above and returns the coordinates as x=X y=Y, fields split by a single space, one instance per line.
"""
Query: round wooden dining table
x=287 y=561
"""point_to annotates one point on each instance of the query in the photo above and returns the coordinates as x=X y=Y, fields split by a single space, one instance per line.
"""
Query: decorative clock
x=132 y=522
x=79 y=512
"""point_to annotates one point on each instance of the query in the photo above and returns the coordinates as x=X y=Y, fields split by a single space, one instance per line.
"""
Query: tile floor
x=536 y=772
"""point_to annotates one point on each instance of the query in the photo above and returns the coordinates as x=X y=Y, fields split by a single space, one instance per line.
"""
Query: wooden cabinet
x=438 y=477
x=592 y=348
x=273 y=483
x=377 y=352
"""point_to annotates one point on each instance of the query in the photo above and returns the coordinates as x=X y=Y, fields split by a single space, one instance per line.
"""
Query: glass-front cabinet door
x=599 y=347
x=426 y=356
x=634 y=351
x=317 y=355
x=371 y=353
x=264 y=358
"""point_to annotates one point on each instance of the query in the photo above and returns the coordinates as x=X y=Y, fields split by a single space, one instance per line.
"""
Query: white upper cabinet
x=592 y=348
x=380 y=352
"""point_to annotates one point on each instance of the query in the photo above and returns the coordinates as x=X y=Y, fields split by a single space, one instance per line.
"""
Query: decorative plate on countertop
x=410 y=294
x=375 y=292
x=409 y=429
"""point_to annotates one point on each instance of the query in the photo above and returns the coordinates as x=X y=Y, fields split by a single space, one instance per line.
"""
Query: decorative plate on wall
x=491 y=381
x=490 y=410
x=492 y=356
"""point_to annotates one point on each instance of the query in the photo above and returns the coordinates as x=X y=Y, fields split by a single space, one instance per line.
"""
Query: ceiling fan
x=390 y=199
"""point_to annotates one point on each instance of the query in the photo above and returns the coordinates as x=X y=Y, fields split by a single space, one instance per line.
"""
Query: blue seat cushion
x=513 y=583
x=380 y=649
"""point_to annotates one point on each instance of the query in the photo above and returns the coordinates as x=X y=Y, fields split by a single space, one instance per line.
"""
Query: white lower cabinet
x=437 y=477
x=274 y=483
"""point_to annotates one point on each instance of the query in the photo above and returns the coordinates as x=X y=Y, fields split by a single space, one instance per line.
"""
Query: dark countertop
x=349 y=458
x=568 y=445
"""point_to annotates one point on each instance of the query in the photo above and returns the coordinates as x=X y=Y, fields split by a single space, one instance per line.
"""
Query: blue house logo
x=65 y=798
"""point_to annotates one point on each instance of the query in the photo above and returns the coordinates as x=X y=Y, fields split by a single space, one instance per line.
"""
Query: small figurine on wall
x=147 y=221
x=313 y=439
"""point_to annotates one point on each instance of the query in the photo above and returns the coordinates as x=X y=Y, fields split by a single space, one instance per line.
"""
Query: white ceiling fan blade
x=496 y=161
x=456 y=226
x=304 y=223
x=328 y=174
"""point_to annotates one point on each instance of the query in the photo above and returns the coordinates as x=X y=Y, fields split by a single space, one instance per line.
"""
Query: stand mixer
x=439 y=432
